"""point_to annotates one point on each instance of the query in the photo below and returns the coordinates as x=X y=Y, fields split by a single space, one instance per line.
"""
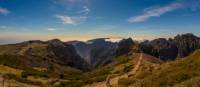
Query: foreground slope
x=141 y=70
x=126 y=66
x=51 y=55
x=37 y=62
x=180 y=73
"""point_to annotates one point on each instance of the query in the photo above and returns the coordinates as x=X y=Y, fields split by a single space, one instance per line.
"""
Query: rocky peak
x=124 y=46
x=186 y=44
x=180 y=46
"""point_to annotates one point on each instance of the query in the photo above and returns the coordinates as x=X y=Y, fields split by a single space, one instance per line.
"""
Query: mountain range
x=100 y=62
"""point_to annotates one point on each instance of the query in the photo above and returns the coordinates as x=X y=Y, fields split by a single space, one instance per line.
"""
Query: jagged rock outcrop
x=125 y=46
x=186 y=44
x=160 y=48
x=180 y=46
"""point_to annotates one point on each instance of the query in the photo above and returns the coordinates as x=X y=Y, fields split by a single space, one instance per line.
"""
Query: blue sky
x=22 y=20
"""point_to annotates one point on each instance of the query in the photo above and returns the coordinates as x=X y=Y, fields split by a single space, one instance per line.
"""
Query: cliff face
x=160 y=48
x=125 y=46
x=180 y=46
x=186 y=44
x=44 y=54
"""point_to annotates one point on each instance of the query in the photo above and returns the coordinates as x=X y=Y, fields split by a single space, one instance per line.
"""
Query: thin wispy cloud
x=75 y=12
x=4 y=11
x=154 y=12
x=68 y=20
x=3 y=27
x=85 y=10
x=51 y=29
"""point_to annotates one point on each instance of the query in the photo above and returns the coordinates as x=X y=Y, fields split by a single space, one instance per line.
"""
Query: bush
x=11 y=61
x=71 y=83
x=127 y=68
x=90 y=77
x=33 y=72
x=121 y=59
x=99 y=78
x=98 y=75
x=23 y=80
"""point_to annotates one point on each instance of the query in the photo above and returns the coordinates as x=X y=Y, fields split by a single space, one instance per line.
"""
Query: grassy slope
x=121 y=66
x=176 y=73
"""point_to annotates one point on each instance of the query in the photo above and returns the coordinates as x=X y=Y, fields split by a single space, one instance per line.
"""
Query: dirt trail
x=137 y=65
x=113 y=82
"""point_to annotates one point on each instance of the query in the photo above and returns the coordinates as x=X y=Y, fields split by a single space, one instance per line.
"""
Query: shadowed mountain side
x=97 y=51
x=42 y=54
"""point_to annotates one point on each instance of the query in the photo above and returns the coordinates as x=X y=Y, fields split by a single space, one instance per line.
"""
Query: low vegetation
x=11 y=61
x=33 y=72
x=125 y=82
x=19 y=79
x=179 y=73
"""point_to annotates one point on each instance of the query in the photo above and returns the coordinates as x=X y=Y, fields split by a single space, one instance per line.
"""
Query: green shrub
x=11 y=60
x=122 y=59
x=97 y=75
x=19 y=79
x=127 y=68
x=33 y=72
x=71 y=83
x=99 y=78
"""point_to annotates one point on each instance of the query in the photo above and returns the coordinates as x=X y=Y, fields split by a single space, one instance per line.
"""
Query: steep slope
x=182 y=72
x=186 y=44
x=47 y=54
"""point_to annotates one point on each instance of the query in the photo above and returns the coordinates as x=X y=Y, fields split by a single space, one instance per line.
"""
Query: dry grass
x=6 y=70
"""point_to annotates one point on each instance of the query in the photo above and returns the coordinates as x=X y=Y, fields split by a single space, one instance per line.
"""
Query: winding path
x=137 y=66
x=112 y=82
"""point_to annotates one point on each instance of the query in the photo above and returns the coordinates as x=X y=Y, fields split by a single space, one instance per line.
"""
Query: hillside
x=41 y=54
x=126 y=66
x=179 y=73
x=36 y=62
